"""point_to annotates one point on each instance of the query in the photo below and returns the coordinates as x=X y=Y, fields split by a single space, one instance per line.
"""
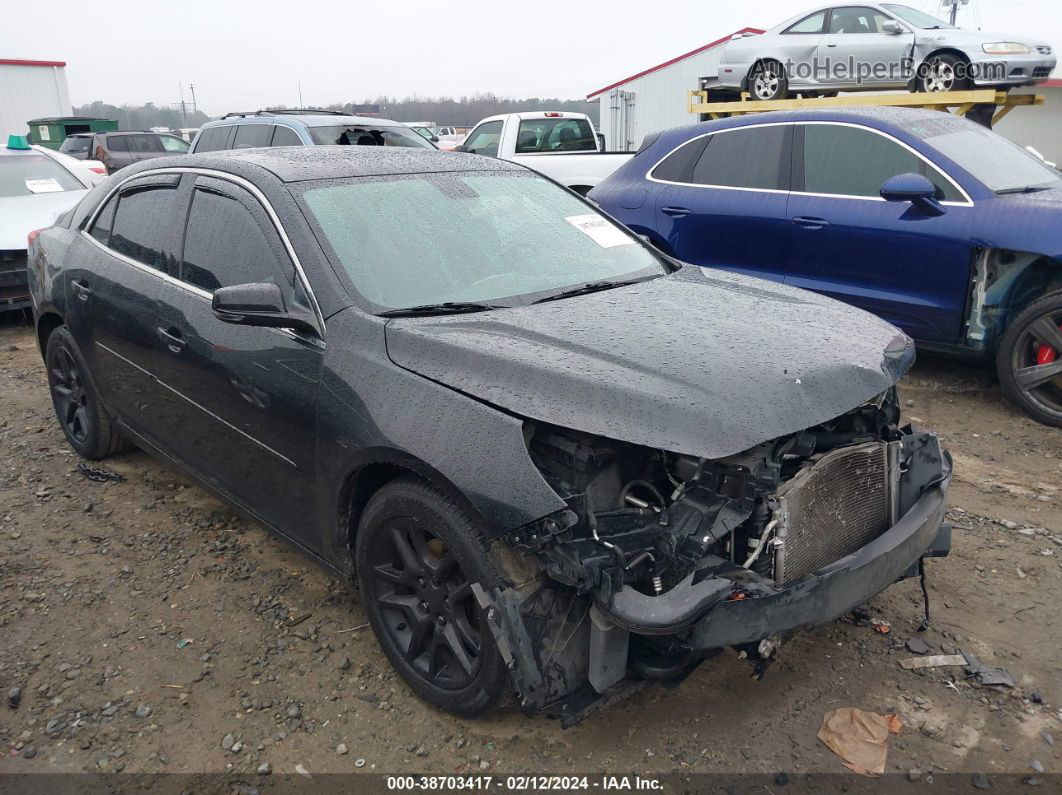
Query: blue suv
x=930 y=221
x=302 y=128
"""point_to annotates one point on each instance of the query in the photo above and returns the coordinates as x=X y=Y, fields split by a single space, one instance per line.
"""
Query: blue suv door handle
x=809 y=222
x=676 y=212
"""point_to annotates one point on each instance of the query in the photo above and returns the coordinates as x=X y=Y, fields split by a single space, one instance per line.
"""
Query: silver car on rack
x=874 y=46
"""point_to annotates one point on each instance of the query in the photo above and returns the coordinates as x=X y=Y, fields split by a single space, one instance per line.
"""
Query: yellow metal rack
x=999 y=103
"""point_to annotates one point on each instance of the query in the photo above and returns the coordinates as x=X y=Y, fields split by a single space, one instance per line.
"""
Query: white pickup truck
x=563 y=146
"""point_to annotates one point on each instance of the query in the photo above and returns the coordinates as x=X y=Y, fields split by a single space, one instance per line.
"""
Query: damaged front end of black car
x=661 y=560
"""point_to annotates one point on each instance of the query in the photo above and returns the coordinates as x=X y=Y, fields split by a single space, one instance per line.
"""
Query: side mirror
x=913 y=188
x=463 y=148
x=434 y=139
x=893 y=28
x=259 y=305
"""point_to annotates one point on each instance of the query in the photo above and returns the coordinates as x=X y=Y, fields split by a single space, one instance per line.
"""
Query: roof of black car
x=301 y=163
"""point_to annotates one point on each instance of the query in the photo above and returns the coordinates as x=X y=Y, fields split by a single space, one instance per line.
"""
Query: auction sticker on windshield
x=48 y=185
x=599 y=230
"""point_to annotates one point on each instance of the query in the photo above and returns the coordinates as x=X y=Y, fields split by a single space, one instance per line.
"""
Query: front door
x=247 y=394
x=907 y=266
x=721 y=200
x=856 y=50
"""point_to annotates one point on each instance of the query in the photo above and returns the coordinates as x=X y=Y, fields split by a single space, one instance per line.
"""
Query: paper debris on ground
x=860 y=738
x=933 y=661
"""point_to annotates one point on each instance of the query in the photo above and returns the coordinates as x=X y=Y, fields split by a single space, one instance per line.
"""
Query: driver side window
x=484 y=139
x=230 y=240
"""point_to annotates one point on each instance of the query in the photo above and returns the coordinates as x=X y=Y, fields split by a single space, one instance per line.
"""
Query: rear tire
x=81 y=414
x=417 y=553
x=1029 y=360
x=768 y=81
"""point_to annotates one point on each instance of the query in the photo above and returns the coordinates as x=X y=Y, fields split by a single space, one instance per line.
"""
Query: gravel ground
x=147 y=628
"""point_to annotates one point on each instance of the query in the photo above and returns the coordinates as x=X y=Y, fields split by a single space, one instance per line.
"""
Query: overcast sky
x=132 y=51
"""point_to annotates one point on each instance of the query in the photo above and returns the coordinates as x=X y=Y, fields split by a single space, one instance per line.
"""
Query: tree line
x=443 y=111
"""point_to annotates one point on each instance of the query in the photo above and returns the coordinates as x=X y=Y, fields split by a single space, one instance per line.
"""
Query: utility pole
x=300 y=93
x=195 y=107
x=184 y=115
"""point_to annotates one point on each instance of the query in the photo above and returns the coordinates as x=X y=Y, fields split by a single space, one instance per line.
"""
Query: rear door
x=145 y=147
x=116 y=152
x=721 y=200
x=845 y=241
x=117 y=266
x=246 y=419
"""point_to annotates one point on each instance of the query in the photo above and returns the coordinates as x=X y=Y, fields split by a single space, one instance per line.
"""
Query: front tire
x=768 y=81
x=417 y=554
x=85 y=422
x=941 y=73
x=1029 y=360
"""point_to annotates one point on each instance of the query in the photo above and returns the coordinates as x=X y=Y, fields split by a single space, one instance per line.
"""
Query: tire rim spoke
x=1037 y=375
x=405 y=603
x=420 y=634
x=402 y=546
x=1046 y=331
x=456 y=649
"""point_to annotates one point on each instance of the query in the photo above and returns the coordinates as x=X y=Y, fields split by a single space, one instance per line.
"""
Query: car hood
x=698 y=362
x=20 y=215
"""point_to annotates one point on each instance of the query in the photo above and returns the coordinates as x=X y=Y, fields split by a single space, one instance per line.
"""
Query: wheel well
x=1040 y=277
x=948 y=51
x=46 y=324
x=363 y=483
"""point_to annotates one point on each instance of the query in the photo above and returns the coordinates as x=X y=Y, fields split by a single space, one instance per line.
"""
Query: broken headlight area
x=654 y=545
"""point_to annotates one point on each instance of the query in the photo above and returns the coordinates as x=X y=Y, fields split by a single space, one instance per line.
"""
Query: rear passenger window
x=145 y=143
x=101 y=230
x=251 y=135
x=285 y=136
x=678 y=166
x=144 y=224
x=852 y=161
x=212 y=139
x=225 y=244
x=117 y=143
x=749 y=157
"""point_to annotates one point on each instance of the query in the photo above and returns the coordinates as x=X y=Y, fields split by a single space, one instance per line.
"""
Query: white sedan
x=35 y=188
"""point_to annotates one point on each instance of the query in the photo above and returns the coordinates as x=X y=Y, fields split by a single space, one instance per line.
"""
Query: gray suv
x=120 y=149
x=302 y=128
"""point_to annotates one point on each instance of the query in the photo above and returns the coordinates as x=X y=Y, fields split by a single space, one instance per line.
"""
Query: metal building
x=656 y=99
x=30 y=90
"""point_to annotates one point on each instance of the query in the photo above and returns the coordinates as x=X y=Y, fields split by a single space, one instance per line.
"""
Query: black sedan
x=552 y=457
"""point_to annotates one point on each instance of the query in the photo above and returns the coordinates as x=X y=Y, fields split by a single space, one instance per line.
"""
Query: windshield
x=469 y=237
x=26 y=175
x=555 y=135
x=920 y=19
x=364 y=135
x=1000 y=164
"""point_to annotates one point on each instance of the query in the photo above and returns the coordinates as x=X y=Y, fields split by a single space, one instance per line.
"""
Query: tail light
x=553 y=115
x=33 y=237
x=97 y=169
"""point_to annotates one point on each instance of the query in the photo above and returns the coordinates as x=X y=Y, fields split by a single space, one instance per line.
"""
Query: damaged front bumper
x=570 y=652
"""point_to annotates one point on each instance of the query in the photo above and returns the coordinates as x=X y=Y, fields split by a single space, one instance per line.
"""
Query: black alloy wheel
x=69 y=396
x=85 y=423
x=418 y=553
x=427 y=604
x=1029 y=361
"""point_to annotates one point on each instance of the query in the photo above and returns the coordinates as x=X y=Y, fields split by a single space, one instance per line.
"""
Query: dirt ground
x=150 y=629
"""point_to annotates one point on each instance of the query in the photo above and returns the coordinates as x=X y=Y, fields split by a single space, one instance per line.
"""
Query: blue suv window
x=249 y=136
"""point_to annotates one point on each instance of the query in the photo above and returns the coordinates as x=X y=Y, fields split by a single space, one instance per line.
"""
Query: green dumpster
x=52 y=131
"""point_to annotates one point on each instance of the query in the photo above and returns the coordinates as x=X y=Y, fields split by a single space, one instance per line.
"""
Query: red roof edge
x=20 y=62
x=682 y=57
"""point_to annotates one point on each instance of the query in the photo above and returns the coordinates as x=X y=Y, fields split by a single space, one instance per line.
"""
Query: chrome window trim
x=649 y=174
x=241 y=182
x=202 y=408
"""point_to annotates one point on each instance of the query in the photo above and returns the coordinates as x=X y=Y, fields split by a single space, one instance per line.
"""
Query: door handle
x=83 y=290
x=808 y=222
x=831 y=45
x=676 y=212
x=173 y=339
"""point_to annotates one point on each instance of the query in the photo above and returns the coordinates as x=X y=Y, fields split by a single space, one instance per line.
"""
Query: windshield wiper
x=590 y=287
x=446 y=308
x=1026 y=189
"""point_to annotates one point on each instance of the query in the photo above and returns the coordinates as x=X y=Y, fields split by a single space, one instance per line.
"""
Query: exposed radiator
x=832 y=508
